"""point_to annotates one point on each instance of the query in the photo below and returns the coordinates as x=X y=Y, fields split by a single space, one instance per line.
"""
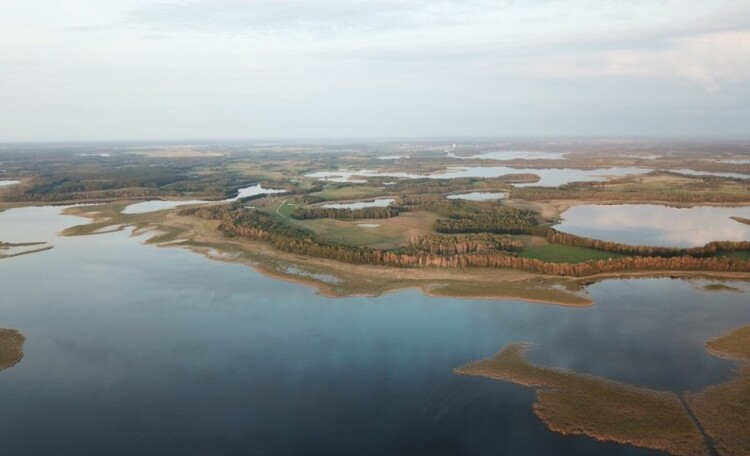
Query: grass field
x=538 y=248
x=391 y=233
x=741 y=255
x=285 y=208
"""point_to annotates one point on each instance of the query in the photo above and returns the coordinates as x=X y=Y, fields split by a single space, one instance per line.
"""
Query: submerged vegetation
x=9 y=250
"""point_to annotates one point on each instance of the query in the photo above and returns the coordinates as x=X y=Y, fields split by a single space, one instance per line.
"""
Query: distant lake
x=137 y=349
x=159 y=205
x=380 y=202
x=512 y=155
x=479 y=196
x=549 y=177
x=392 y=157
x=648 y=224
x=4 y=183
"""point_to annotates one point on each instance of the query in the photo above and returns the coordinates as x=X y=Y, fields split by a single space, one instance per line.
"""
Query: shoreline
x=201 y=236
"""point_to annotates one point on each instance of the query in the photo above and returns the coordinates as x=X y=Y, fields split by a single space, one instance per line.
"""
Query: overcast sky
x=136 y=69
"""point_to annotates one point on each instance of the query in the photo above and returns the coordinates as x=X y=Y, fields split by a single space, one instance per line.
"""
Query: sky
x=285 y=69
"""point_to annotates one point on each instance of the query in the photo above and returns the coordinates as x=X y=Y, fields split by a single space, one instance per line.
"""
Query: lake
x=655 y=225
x=136 y=349
x=512 y=155
x=4 y=183
x=159 y=205
x=478 y=196
x=380 y=202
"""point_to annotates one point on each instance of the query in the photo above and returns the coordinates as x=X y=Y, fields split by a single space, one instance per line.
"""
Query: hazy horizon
x=468 y=139
x=295 y=70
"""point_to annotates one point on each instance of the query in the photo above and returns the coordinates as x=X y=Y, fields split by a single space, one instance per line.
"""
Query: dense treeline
x=705 y=190
x=236 y=221
x=305 y=213
x=462 y=216
x=437 y=186
x=66 y=176
x=497 y=219
x=710 y=249
x=457 y=245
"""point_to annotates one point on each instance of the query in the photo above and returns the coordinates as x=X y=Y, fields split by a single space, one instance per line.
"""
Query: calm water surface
x=650 y=224
x=158 y=205
x=479 y=196
x=134 y=349
x=380 y=202
x=512 y=155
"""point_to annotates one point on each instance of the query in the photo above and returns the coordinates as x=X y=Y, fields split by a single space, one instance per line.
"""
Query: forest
x=485 y=250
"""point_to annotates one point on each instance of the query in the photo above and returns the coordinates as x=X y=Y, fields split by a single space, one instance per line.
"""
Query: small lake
x=393 y=157
x=159 y=205
x=512 y=155
x=4 y=183
x=137 y=349
x=479 y=196
x=648 y=224
x=380 y=202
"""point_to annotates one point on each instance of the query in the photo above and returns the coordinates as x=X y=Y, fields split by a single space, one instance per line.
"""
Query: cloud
x=709 y=60
x=350 y=65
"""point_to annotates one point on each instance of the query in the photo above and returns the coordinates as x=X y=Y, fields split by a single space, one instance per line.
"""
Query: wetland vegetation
x=11 y=348
x=713 y=421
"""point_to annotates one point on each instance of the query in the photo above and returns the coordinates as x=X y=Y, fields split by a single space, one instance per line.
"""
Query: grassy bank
x=724 y=410
x=572 y=403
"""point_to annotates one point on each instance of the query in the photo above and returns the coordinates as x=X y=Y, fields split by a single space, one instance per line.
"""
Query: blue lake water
x=478 y=196
x=134 y=349
x=158 y=205
x=379 y=202
x=655 y=225
x=512 y=155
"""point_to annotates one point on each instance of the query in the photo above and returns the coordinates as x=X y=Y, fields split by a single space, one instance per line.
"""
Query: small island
x=11 y=348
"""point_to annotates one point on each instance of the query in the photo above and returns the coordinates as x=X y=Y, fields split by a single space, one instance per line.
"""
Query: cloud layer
x=343 y=68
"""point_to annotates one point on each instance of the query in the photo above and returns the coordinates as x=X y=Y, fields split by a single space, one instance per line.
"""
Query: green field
x=741 y=255
x=538 y=248
x=286 y=208
x=392 y=232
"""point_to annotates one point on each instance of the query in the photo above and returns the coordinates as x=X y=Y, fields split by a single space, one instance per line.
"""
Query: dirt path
x=278 y=209
x=709 y=443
